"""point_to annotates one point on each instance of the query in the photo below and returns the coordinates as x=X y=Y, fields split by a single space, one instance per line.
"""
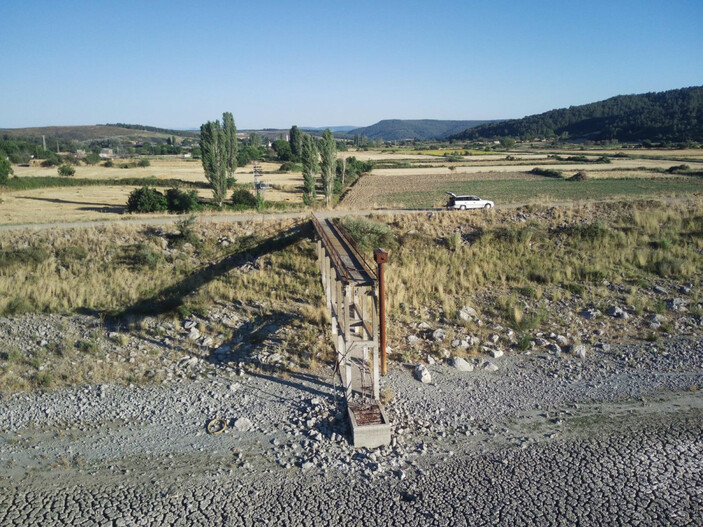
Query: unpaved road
x=615 y=439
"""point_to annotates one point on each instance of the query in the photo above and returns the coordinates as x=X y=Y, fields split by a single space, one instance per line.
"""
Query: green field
x=523 y=190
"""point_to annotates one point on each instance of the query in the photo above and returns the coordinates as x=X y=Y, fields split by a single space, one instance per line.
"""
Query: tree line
x=673 y=116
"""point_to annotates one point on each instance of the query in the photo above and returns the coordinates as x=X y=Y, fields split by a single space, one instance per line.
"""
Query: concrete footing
x=372 y=435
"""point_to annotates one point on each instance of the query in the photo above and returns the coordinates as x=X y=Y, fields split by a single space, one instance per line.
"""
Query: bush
x=290 y=166
x=67 y=171
x=143 y=163
x=243 y=197
x=92 y=158
x=182 y=201
x=547 y=172
x=146 y=199
x=369 y=234
x=108 y=164
x=51 y=160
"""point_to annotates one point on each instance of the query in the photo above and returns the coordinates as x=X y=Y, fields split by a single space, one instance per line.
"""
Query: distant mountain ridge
x=399 y=129
x=673 y=115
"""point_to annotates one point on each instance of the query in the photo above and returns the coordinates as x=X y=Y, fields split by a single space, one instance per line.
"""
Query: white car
x=468 y=202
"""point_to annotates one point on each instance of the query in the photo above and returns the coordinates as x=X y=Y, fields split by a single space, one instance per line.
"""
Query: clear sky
x=327 y=63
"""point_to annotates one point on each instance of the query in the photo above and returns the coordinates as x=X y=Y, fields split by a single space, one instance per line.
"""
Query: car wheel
x=463 y=207
x=487 y=206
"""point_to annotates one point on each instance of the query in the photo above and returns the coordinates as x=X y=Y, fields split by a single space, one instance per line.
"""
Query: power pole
x=257 y=181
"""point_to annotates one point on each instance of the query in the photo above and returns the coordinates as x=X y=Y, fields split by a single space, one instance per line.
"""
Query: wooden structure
x=351 y=292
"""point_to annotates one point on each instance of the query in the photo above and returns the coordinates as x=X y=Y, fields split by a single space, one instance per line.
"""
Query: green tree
x=328 y=164
x=255 y=140
x=230 y=131
x=66 y=170
x=295 y=137
x=5 y=170
x=310 y=167
x=214 y=157
x=507 y=142
x=282 y=149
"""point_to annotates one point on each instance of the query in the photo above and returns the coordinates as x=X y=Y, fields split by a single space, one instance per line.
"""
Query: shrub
x=290 y=166
x=143 y=163
x=26 y=255
x=369 y=234
x=92 y=158
x=579 y=176
x=108 y=164
x=67 y=171
x=243 y=197
x=678 y=168
x=182 y=201
x=146 y=199
x=547 y=172
x=17 y=306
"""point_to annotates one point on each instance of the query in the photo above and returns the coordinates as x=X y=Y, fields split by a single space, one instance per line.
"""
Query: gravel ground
x=615 y=438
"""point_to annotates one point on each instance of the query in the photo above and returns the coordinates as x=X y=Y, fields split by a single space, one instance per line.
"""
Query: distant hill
x=335 y=129
x=398 y=129
x=91 y=133
x=674 y=115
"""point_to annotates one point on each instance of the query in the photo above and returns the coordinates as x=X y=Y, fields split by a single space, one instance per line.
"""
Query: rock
x=439 y=335
x=461 y=364
x=424 y=326
x=490 y=366
x=676 y=304
x=422 y=374
x=412 y=340
x=618 y=312
x=495 y=338
x=554 y=348
x=468 y=313
x=541 y=342
x=579 y=350
x=656 y=317
x=495 y=353
x=660 y=290
x=188 y=324
x=243 y=424
x=194 y=334
x=562 y=340
x=431 y=360
x=207 y=342
x=590 y=313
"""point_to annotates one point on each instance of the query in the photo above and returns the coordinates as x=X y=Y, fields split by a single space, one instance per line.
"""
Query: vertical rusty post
x=381 y=257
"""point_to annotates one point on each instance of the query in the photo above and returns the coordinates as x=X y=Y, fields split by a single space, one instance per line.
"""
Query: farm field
x=429 y=190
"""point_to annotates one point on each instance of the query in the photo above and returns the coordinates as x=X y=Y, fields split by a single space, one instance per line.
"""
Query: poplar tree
x=328 y=154
x=230 y=131
x=295 y=138
x=214 y=156
x=310 y=167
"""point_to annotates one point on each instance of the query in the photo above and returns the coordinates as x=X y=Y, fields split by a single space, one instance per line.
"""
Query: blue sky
x=314 y=63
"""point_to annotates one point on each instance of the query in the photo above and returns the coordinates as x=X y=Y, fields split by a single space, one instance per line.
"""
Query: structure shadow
x=172 y=297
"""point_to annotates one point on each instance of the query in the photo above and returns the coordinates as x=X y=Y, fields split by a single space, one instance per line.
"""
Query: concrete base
x=372 y=435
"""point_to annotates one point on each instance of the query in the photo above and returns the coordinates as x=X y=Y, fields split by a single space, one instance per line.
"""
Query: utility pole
x=257 y=181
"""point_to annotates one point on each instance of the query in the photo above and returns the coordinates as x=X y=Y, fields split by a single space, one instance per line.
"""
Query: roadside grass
x=525 y=190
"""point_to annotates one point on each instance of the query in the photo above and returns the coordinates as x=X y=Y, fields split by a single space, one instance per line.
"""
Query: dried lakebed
x=543 y=440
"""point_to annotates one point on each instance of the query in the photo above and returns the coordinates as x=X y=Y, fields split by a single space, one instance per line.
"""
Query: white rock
x=422 y=374
x=562 y=340
x=243 y=424
x=439 y=334
x=490 y=366
x=579 y=350
x=468 y=313
x=590 y=313
x=495 y=353
x=412 y=340
x=194 y=334
x=461 y=364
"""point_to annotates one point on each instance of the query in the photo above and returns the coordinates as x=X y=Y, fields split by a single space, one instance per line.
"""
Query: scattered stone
x=676 y=304
x=194 y=334
x=562 y=340
x=412 y=340
x=660 y=290
x=590 y=313
x=495 y=353
x=461 y=364
x=439 y=335
x=422 y=374
x=618 y=312
x=468 y=313
x=579 y=350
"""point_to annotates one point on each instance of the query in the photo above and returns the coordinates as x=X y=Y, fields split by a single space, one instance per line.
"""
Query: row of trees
x=313 y=159
x=218 y=146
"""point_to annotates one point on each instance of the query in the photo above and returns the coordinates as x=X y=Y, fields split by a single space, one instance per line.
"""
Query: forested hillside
x=675 y=115
x=398 y=129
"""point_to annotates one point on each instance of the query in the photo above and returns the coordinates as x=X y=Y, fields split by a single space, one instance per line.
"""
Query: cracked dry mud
x=613 y=442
